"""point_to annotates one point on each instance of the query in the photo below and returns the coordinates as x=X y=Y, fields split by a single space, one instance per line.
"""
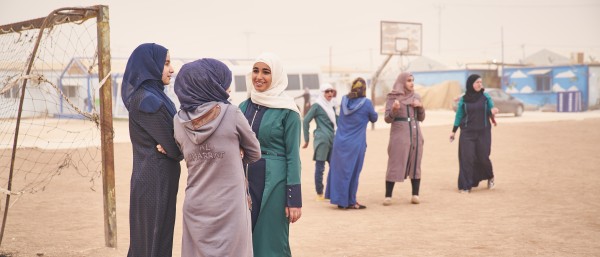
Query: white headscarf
x=326 y=105
x=274 y=96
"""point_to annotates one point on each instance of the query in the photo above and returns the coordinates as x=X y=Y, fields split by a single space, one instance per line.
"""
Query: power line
x=537 y=6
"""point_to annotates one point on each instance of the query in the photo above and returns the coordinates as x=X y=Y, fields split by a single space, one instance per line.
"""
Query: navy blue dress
x=475 y=142
x=155 y=176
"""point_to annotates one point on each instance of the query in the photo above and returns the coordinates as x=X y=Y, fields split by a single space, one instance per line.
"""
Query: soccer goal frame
x=58 y=17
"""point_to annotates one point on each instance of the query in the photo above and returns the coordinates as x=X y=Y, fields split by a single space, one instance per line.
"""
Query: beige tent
x=439 y=96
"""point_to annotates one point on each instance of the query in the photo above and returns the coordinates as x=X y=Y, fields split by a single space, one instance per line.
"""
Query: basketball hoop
x=401 y=38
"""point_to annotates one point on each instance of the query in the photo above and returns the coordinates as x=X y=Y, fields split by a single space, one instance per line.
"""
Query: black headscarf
x=202 y=81
x=471 y=95
x=144 y=70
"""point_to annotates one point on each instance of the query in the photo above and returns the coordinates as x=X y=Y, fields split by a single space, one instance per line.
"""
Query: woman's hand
x=452 y=136
x=293 y=214
x=305 y=145
x=416 y=103
x=160 y=149
x=396 y=106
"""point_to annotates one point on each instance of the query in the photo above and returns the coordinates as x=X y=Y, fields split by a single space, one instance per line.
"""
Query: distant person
x=473 y=115
x=335 y=102
x=404 y=111
x=275 y=178
x=88 y=104
x=306 y=96
x=155 y=176
x=349 y=147
x=323 y=112
x=210 y=132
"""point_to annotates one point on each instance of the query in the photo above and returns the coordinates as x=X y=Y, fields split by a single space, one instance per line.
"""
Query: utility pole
x=247 y=33
x=330 y=60
x=371 y=59
x=502 y=56
x=440 y=7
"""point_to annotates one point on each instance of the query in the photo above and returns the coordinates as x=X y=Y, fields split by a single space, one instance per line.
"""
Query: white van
x=298 y=78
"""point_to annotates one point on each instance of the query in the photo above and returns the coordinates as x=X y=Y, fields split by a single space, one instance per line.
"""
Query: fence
x=568 y=101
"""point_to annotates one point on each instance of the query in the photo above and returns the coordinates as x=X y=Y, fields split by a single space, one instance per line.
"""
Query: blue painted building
x=430 y=78
x=547 y=85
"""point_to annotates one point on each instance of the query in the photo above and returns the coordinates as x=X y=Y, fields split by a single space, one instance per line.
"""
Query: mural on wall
x=540 y=85
x=556 y=79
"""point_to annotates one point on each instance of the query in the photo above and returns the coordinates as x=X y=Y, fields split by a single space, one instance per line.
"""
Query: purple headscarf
x=144 y=69
x=202 y=81
x=400 y=92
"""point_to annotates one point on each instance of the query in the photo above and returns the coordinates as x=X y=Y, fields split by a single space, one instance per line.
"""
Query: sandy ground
x=546 y=202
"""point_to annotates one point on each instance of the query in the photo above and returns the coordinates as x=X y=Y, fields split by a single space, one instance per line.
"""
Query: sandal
x=356 y=206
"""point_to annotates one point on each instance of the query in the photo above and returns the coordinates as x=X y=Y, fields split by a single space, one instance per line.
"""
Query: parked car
x=504 y=102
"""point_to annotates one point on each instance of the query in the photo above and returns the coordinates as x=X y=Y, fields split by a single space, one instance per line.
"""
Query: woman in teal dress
x=274 y=180
x=323 y=112
x=473 y=116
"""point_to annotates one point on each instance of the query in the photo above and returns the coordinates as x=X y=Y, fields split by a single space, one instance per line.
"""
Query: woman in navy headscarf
x=155 y=175
x=473 y=115
x=210 y=132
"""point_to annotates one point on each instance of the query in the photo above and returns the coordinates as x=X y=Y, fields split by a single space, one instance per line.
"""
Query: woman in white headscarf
x=323 y=113
x=274 y=180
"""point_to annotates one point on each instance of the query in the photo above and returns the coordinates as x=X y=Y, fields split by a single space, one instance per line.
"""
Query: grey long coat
x=216 y=215
x=405 y=148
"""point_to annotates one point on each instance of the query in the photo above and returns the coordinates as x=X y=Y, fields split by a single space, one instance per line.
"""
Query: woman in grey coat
x=404 y=111
x=216 y=141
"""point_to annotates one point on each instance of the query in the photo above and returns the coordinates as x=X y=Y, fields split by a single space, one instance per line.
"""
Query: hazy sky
x=304 y=32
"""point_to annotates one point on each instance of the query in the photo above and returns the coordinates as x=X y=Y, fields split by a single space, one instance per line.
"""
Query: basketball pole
x=375 y=79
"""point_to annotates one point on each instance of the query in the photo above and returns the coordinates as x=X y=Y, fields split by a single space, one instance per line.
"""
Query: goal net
x=49 y=100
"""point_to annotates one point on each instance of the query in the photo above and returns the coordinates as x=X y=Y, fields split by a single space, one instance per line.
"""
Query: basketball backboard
x=401 y=38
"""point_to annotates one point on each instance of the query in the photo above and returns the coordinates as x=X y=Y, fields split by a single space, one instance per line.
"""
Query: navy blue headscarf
x=471 y=95
x=202 y=81
x=144 y=70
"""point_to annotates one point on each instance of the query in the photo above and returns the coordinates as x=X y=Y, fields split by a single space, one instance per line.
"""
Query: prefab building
x=567 y=87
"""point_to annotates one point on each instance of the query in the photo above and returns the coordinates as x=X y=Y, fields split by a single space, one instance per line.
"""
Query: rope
x=38 y=79
x=8 y=192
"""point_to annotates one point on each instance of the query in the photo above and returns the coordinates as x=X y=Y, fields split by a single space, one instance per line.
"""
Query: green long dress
x=323 y=134
x=278 y=131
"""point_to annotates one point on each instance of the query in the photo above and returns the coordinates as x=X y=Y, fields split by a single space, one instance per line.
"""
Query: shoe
x=320 y=198
x=415 y=199
x=387 y=201
x=464 y=191
x=491 y=184
x=356 y=207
